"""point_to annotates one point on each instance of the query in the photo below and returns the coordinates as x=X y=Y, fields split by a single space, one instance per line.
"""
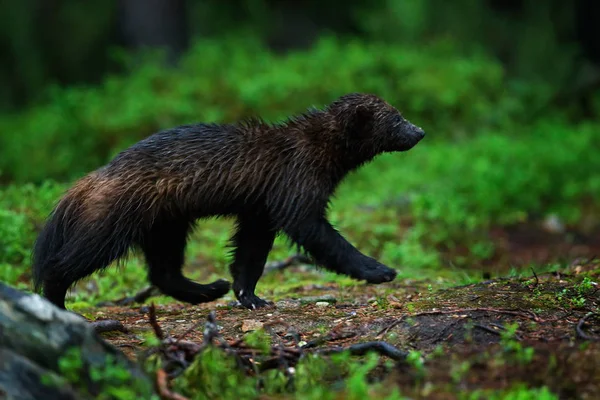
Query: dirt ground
x=460 y=329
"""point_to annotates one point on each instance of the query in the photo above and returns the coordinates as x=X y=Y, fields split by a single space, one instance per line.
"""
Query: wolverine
x=271 y=177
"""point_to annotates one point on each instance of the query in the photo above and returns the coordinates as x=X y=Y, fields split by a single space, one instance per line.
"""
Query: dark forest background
x=65 y=42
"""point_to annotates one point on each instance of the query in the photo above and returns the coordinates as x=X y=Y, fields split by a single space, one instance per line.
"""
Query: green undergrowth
x=485 y=161
x=78 y=128
x=216 y=374
x=402 y=208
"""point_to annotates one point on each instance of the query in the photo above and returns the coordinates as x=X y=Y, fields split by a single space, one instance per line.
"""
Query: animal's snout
x=419 y=133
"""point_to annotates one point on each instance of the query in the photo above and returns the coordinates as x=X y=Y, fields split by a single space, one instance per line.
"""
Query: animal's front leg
x=253 y=240
x=334 y=252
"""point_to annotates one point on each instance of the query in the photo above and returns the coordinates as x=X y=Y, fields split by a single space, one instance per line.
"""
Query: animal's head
x=371 y=125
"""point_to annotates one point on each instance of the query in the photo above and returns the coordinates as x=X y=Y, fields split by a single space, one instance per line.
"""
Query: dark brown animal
x=273 y=178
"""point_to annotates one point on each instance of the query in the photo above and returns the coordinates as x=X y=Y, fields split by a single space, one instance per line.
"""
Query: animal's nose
x=420 y=133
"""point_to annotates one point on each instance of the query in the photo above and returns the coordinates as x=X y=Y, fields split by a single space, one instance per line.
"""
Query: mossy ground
x=513 y=333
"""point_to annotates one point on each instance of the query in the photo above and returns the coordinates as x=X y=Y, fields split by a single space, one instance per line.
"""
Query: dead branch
x=328 y=338
x=579 y=327
x=154 y=323
x=537 y=281
x=163 y=387
x=487 y=329
x=361 y=349
x=288 y=262
x=138 y=298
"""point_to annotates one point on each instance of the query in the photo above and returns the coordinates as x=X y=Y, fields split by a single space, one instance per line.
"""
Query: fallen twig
x=139 y=297
x=579 y=327
x=487 y=329
x=211 y=330
x=163 y=387
x=154 y=324
x=328 y=338
x=360 y=349
x=288 y=262
x=537 y=281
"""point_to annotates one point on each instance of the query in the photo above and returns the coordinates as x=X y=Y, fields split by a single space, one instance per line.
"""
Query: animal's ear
x=361 y=121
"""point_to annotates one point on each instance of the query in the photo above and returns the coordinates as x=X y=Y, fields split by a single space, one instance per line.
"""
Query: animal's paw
x=373 y=271
x=253 y=302
x=218 y=288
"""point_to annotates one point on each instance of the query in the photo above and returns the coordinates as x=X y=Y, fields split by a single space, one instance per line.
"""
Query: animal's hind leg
x=55 y=291
x=164 y=248
x=253 y=240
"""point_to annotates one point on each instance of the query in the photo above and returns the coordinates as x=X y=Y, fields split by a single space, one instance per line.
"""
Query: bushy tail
x=80 y=237
x=50 y=241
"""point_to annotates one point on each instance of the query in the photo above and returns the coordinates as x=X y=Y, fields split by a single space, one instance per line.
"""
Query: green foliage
x=585 y=286
x=512 y=348
x=110 y=379
x=452 y=193
x=23 y=209
x=215 y=374
x=482 y=164
x=548 y=168
x=517 y=392
x=415 y=360
x=576 y=296
x=527 y=34
x=79 y=128
x=258 y=339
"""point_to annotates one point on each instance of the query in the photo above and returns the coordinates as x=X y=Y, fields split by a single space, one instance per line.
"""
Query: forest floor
x=535 y=329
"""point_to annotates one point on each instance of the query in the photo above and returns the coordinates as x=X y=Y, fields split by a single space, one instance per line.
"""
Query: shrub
x=79 y=128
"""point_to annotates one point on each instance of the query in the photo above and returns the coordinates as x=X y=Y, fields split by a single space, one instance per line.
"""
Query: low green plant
x=586 y=286
x=459 y=370
x=216 y=374
x=416 y=360
x=78 y=128
x=109 y=380
x=512 y=348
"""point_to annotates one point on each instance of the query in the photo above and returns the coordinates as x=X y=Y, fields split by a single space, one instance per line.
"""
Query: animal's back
x=200 y=170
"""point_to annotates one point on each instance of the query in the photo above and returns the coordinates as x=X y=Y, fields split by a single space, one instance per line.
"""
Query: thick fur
x=273 y=178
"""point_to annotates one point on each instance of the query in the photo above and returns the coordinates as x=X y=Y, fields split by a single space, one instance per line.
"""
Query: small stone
x=180 y=321
x=251 y=325
x=553 y=224
x=322 y=304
